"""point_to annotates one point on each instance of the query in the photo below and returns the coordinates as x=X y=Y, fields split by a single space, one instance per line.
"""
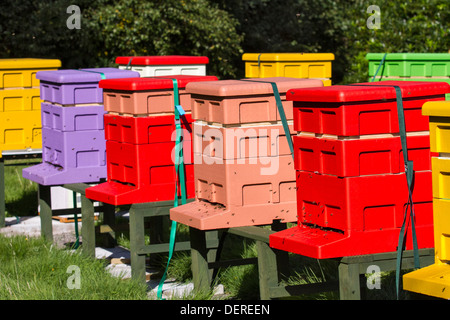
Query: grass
x=21 y=195
x=33 y=269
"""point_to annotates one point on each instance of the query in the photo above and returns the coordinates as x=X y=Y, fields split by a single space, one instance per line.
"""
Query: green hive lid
x=409 y=56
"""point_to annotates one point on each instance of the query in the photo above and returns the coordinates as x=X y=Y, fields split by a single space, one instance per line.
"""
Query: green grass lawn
x=32 y=269
x=21 y=195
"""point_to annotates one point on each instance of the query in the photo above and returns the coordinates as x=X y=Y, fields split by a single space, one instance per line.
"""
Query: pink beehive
x=243 y=168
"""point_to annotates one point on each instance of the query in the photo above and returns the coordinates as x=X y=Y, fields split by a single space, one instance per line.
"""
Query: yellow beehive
x=434 y=280
x=20 y=103
x=21 y=130
x=293 y=65
x=21 y=73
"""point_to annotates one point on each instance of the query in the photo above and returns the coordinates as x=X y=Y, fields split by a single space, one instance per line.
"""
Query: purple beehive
x=71 y=87
x=72 y=118
x=73 y=138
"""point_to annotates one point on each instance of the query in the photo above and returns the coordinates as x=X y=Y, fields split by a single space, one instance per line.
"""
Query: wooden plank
x=301 y=289
x=252 y=232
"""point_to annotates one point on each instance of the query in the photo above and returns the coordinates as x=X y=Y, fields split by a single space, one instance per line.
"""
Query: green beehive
x=409 y=66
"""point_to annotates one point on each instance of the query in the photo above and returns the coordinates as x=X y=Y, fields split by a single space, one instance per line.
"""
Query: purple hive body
x=72 y=118
x=70 y=87
x=73 y=138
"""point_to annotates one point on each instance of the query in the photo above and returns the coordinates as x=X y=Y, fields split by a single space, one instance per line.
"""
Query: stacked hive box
x=410 y=66
x=73 y=137
x=151 y=66
x=295 y=65
x=434 y=280
x=20 y=115
x=244 y=171
x=351 y=186
x=140 y=139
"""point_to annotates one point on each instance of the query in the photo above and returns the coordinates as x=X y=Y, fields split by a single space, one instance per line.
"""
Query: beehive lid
x=408 y=56
x=436 y=108
x=151 y=83
x=29 y=63
x=257 y=86
x=368 y=91
x=162 y=60
x=287 y=56
x=84 y=75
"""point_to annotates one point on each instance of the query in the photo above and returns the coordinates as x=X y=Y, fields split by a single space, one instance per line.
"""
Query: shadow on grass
x=27 y=205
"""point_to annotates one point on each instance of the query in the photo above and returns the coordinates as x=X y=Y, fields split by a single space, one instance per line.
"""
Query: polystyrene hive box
x=232 y=194
x=151 y=66
x=143 y=96
x=20 y=99
x=140 y=159
x=73 y=148
x=296 y=65
x=439 y=118
x=141 y=176
x=231 y=102
x=72 y=118
x=21 y=72
x=368 y=155
x=410 y=64
x=144 y=130
x=239 y=142
x=20 y=130
x=364 y=108
x=74 y=87
x=356 y=215
x=441 y=218
x=441 y=177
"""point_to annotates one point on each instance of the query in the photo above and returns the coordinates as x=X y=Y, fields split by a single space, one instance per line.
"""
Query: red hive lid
x=151 y=83
x=162 y=60
x=368 y=91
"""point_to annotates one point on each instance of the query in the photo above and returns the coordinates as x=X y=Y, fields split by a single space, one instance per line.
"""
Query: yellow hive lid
x=288 y=56
x=436 y=108
x=29 y=63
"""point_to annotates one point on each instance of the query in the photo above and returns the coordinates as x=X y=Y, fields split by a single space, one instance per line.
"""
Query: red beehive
x=352 y=191
x=140 y=149
x=366 y=155
x=244 y=171
x=357 y=110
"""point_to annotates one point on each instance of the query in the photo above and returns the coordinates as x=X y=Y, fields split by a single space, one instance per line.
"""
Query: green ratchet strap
x=128 y=67
x=102 y=75
x=280 y=111
x=409 y=170
x=179 y=175
x=379 y=67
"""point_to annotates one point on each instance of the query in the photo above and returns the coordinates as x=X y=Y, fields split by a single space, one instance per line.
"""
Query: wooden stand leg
x=137 y=241
x=349 y=282
x=109 y=222
x=200 y=270
x=88 y=227
x=267 y=269
x=45 y=212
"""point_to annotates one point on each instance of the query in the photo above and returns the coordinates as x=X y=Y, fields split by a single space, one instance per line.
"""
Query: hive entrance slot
x=124 y=183
x=315 y=226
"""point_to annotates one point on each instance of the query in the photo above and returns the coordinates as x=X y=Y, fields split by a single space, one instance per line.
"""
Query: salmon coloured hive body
x=351 y=184
x=20 y=103
x=73 y=135
x=244 y=171
x=140 y=134
x=153 y=66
